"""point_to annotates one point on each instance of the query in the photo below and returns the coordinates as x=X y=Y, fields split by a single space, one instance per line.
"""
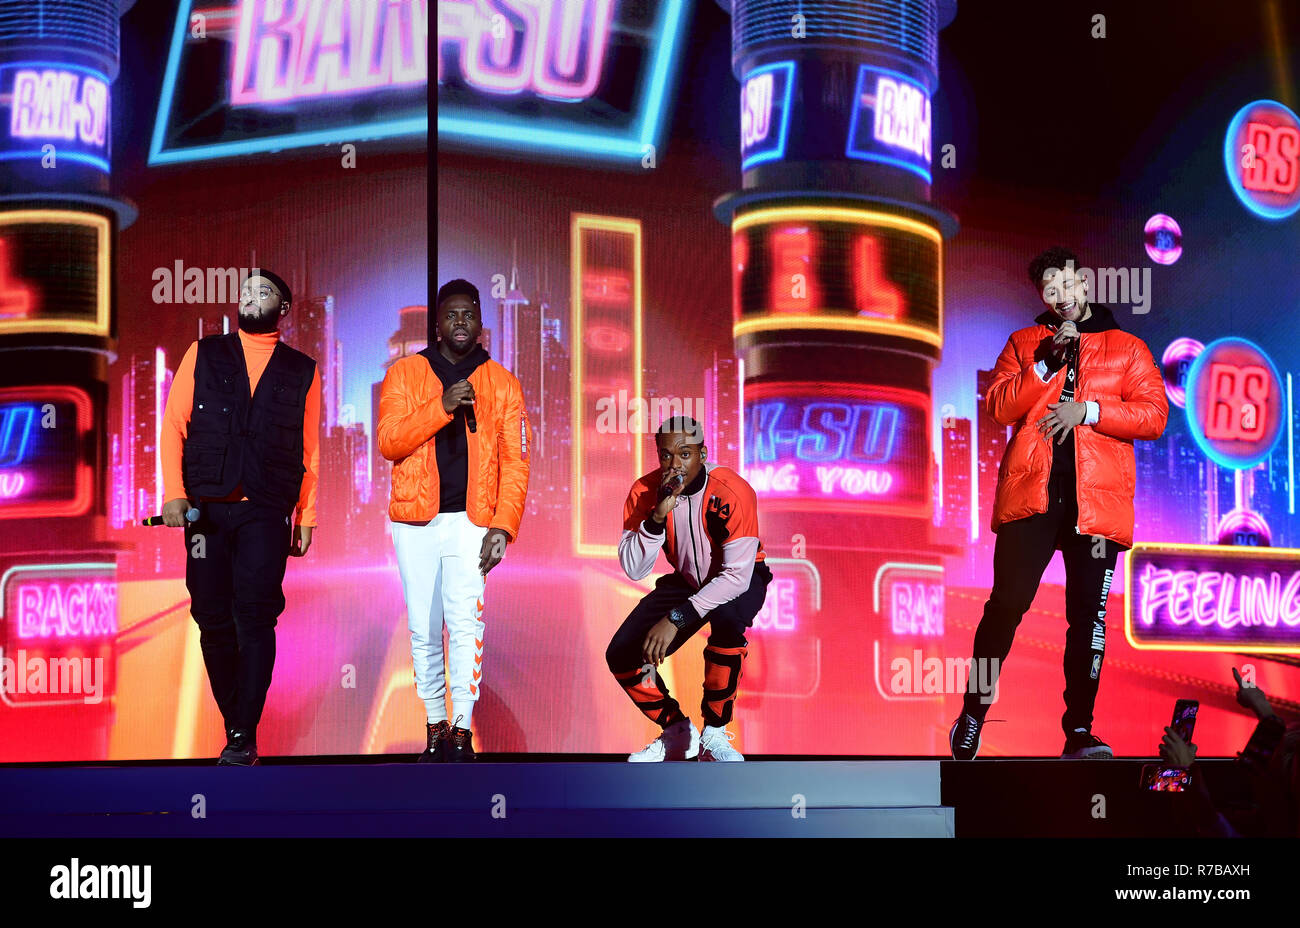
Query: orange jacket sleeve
x=1015 y=388
x=310 y=453
x=175 y=425
x=512 y=449
x=404 y=425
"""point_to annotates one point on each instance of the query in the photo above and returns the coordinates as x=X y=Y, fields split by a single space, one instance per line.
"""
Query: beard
x=259 y=324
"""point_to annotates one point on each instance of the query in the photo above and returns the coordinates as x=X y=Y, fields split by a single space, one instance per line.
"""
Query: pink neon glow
x=56 y=609
x=1226 y=600
x=830 y=481
x=1244 y=521
x=16 y=300
x=902 y=116
x=1163 y=239
x=13 y=485
x=916 y=608
x=779 y=608
x=1175 y=363
x=756 y=109
x=59 y=105
x=554 y=48
x=289 y=49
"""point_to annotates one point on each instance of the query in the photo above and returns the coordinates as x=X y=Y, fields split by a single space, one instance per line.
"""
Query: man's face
x=680 y=453
x=459 y=323
x=260 y=306
x=1065 y=293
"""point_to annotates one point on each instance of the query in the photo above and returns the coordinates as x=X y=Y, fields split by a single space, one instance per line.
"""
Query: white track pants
x=440 y=577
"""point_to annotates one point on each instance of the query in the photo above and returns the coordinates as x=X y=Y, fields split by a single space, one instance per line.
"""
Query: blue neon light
x=527 y=134
x=827 y=432
x=60 y=145
x=15 y=433
x=772 y=152
x=1230 y=156
x=359 y=131
x=1193 y=414
x=863 y=154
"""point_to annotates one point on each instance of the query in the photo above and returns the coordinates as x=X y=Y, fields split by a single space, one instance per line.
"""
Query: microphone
x=666 y=490
x=469 y=417
x=191 y=515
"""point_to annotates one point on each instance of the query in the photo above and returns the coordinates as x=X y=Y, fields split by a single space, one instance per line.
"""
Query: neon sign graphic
x=310 y=48
x=1244 y=527
x=765 y=113
x=553 y=49
x=897 y=109
x=15 y=433
x=59 y=602
x=559 y=53
x=836 y=445
x=1261 y=153
x=1174 y=365
x=57 y=104
x=1163 y=239
x=1208 y=597
x=914 y=594
x=778 y=612
x=1234 y=403
x=16 y=300
x=837 y=268
x=12 y=485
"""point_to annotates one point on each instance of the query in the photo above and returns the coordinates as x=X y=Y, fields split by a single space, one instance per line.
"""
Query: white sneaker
x=679 y=741
x=715 y=744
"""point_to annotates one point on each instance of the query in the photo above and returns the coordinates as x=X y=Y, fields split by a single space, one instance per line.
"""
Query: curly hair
x=1055 y=257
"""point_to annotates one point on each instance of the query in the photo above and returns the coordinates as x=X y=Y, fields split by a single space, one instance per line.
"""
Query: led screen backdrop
x=617 y=297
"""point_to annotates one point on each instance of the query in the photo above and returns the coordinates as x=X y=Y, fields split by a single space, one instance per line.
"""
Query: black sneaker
x=240 y=749
x=460 y=746
x=437 y=734
x=1082 y=744
x=964 y=737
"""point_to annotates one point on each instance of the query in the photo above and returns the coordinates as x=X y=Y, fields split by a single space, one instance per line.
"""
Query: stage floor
x=590 y=796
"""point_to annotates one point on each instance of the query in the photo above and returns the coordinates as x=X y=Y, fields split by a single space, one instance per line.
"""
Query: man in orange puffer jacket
x=1078 y=391
x=453 y=423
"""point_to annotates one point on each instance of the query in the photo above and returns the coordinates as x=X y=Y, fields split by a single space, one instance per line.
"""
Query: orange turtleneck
x=180 y=401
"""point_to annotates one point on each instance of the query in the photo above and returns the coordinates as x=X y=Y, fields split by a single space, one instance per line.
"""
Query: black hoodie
x=450 y=443
x=1062 y=480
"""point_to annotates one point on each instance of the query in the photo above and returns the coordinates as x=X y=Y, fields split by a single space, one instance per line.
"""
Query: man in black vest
x=240 y=442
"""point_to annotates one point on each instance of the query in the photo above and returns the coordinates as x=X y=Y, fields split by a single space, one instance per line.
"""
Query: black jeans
x=234 y=569
x=724 y=653
x=1020 y=555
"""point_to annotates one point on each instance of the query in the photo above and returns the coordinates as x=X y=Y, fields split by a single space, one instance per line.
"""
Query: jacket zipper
x=1078 y=394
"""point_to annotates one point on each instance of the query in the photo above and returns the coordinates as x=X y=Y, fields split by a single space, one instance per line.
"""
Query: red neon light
x=1275 y=167
x=739 y=258
x=794 y=289
x=873 y=293
x=1237 y=403
x=16 y=300
x=607 y=287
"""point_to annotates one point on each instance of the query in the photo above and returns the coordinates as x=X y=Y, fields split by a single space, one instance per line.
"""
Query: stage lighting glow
x=1163 y=239
x=1261 y=153
x=1213 y=598
x=1174 y=365
x=44 y=471
x=1244 y=527
x=1234 y=405
x=54 y=272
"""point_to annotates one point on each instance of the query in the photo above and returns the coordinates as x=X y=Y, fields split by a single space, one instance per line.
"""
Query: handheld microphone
x=666 y=490
x=469 y=417
x=191 y=515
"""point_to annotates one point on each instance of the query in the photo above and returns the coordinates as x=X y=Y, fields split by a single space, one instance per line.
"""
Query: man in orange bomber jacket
x=241 y=443
x=1079 y=391
x=454 y=425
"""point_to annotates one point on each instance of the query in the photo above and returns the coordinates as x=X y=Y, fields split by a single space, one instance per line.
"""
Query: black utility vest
x=236 y=440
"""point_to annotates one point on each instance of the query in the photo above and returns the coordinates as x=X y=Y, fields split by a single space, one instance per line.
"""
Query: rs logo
x=15 y=433
x=1238 y=403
